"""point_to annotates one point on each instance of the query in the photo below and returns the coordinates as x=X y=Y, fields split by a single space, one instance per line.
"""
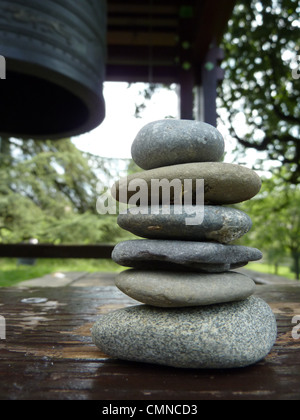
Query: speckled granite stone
x=171 y=142
x=229 y=335
x=220 y=224
x=178 y=290
x=224 y=183
x=185 y=255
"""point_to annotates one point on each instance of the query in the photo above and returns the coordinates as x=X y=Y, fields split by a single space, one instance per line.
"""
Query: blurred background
x=49 y=188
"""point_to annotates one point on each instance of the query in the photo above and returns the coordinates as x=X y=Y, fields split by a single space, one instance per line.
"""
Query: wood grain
x=48 y=353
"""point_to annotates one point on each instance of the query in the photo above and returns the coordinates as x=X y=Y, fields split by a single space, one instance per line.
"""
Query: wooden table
x=48 y=352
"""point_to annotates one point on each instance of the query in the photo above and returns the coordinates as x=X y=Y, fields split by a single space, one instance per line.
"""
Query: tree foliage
x=49 y=190
x=263 y=79
x=276 y=222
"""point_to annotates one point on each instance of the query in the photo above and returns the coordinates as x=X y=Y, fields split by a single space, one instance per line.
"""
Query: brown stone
x=224 y=183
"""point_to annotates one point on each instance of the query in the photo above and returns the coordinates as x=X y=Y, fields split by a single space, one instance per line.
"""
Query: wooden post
x=187 y=94
x=187 y=68
x=198 y=98
x=211 y=75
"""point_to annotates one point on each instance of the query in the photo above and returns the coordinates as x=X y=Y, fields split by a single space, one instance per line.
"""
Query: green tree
x=276 y=222
x=262 y=79
x=49 y=190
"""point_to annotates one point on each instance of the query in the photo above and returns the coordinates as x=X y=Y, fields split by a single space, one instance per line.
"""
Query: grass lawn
x=11 y=273
x=270 y=269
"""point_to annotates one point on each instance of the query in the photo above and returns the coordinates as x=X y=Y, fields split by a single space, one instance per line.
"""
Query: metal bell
x=53 y=55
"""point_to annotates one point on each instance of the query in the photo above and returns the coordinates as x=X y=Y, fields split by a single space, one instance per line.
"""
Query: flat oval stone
x=220 y=224
x=172 y=142
x=228 y=335
x=176 y=290
x=224 y=183
x=183 y=255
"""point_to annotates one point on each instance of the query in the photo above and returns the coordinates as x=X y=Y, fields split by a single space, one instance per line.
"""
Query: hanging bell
x=53 y=55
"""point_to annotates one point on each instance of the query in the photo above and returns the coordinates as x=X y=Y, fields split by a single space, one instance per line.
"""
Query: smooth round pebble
x=224 y=183
x=171 y=142
x=176 y=290
x=220 y=224
x=229 y=335
x=185 y=255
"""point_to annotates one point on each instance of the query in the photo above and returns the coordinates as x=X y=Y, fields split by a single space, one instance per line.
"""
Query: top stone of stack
x=173 y=142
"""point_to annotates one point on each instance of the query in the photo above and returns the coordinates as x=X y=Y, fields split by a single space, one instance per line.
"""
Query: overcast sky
x=113 y=138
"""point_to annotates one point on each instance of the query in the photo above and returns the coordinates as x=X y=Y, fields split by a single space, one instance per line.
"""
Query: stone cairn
x=195 y=311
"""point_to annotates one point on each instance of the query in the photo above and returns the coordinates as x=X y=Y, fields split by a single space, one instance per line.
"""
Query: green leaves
x=49 y=190
x=261 y=44
x=276 y=220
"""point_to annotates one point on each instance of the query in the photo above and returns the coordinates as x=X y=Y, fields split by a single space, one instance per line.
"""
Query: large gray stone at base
x=175 y=290
x=207 y=257
x=229 y=335
x=171 y=142
x=220 y=224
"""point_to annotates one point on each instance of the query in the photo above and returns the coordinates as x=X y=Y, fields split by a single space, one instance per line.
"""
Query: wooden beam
x=132 y=22
x=126 y=55
x=56 y=251
x=132 y=74
x=211 y=21
x=143 y=8
x=139 y=38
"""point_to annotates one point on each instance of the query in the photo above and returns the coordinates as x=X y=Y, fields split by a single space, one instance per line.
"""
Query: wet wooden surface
x=48 y=352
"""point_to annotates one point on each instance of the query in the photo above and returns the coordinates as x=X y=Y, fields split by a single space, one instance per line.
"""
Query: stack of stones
x=196 y=312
